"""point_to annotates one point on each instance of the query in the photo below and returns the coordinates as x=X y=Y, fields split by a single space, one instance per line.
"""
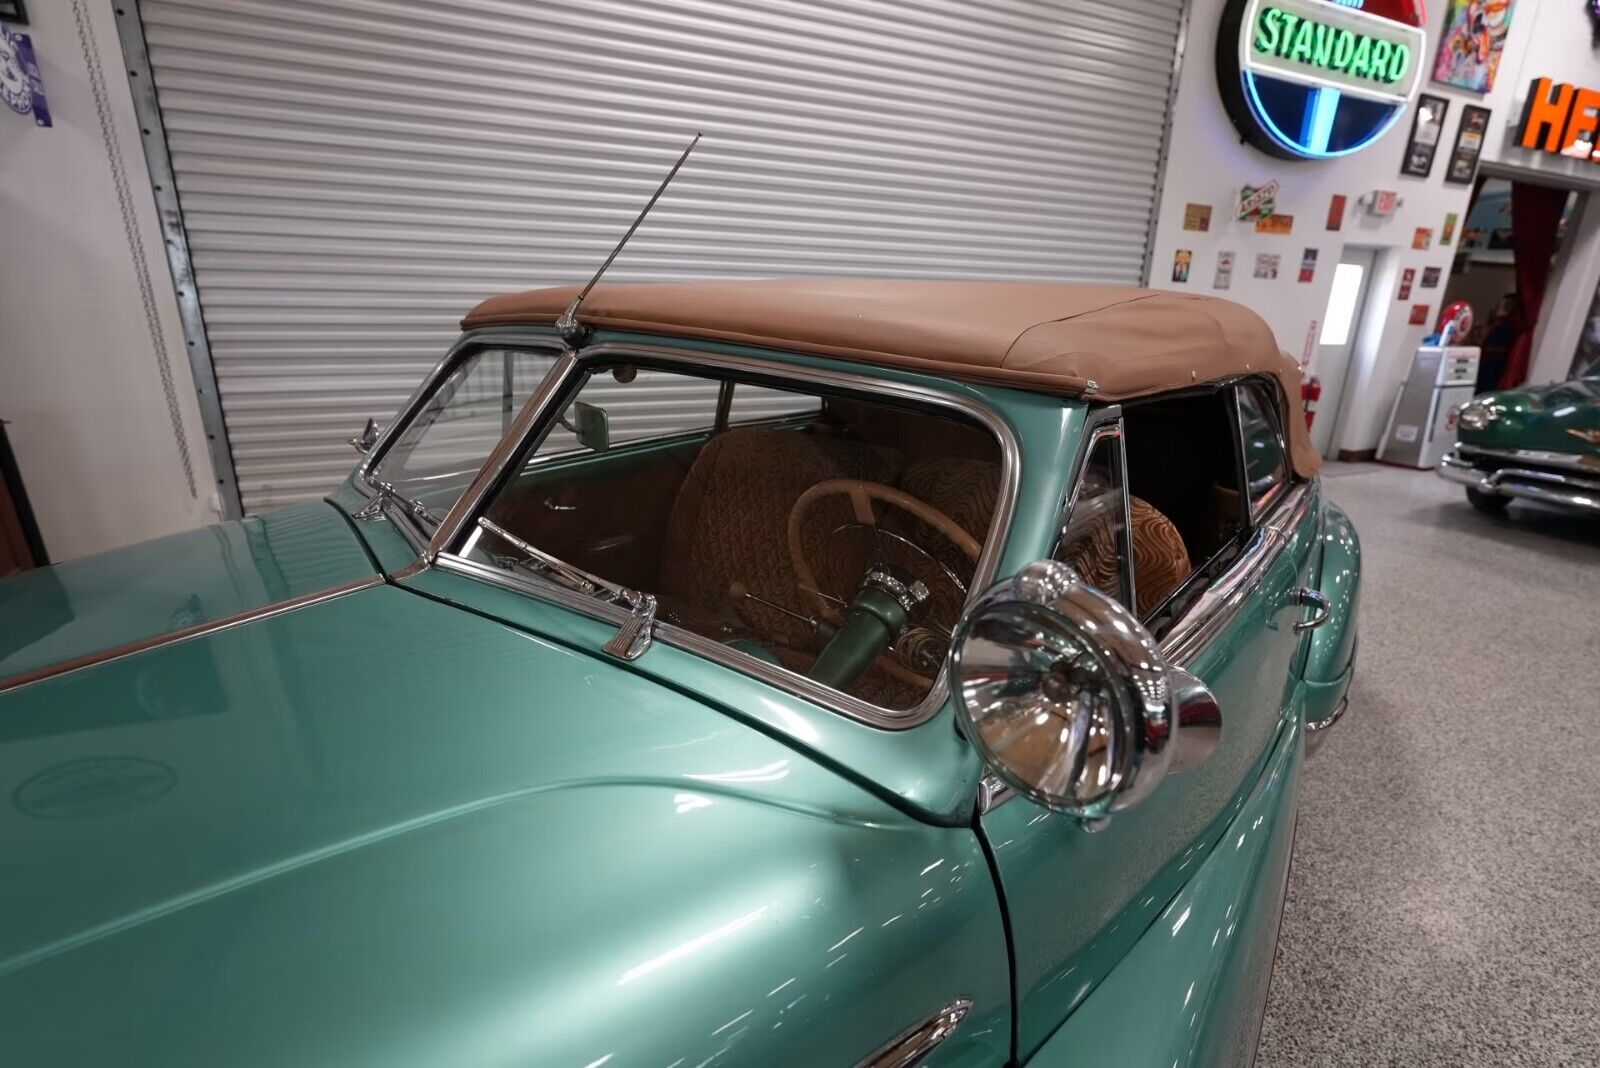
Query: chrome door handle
x=551 y=504
x=1305 y=596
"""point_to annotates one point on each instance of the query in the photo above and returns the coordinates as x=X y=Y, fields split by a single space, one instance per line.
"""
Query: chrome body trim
x=1580 y=494
x=572 y=364
x=1102 y=423
x=917 y=1041
x=1317 y=732
x=117 y=652
x=1216 y=607
x=1311 y=598
x=1568 y=460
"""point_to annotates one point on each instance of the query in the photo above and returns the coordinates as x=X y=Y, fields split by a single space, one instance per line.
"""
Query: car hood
x=1558 y=418
x=379 y=829
x=59 y=613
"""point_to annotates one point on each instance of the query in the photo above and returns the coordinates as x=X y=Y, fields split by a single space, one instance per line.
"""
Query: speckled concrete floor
x=1444 y=904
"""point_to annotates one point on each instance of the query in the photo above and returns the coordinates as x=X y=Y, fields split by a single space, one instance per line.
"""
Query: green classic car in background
x=1539 y=443
x=821 y=672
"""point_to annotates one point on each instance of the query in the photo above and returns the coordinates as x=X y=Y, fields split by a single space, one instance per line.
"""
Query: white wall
x=79 y=379
x=1208 y=163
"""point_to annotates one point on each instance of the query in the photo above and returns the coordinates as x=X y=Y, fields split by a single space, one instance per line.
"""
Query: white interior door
x=1341 y=324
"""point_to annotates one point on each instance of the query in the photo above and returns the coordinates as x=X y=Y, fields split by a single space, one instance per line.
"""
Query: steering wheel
x=861 y=495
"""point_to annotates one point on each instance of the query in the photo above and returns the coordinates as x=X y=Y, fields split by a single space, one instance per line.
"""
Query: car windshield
x=435 y=455
x=835 y=537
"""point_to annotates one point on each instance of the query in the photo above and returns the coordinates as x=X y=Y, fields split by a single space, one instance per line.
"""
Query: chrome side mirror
x=367 y=438
x=1065 y=694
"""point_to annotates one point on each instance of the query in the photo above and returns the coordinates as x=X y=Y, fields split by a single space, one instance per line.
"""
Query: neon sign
x=1317 y=79
x=1562 y=119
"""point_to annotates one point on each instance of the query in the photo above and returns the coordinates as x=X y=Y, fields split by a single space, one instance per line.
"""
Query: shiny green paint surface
x=1080 y=897
x=1191 y=991
x=1540 y=417
x=928 y=769
x=386 y=544
x=1331 y=650
x=380 y=830
x=157 y=587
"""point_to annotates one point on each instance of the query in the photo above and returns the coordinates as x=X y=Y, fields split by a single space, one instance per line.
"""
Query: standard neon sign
x=1353 y=57
x=1313 y=79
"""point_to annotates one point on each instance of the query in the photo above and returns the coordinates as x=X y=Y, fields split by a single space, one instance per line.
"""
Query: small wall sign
x=1430 y=277
x=1448 y=233
x=1275 y=224
x=1181 y=260
x=1309 y=79
x=21 y=86
x=1469 y=144
x=1382 y=202
x=1560 y=119
x=1257 y=201
x=1419 y=314
x=1224 y=275
x=1267 y=264
x=1197 y=217
x=1422 y=238
x=1426 y=130
x=1407 y=276
x=1336 y=211
x=1308 y=264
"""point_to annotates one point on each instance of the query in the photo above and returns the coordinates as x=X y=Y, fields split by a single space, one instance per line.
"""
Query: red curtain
x=1535 y=219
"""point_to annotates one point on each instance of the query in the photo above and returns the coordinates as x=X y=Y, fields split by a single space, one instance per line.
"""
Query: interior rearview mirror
x=1065 y=695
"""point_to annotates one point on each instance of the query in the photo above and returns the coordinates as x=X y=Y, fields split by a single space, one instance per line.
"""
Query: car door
x=1080 y=894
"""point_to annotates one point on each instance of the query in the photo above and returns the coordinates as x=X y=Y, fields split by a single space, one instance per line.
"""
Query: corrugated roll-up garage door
x=355 y=174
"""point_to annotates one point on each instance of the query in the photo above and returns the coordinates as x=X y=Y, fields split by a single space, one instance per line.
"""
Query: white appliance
x=1422 y=423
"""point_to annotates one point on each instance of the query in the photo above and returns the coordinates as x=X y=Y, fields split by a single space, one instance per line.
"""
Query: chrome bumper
x=1525 y=483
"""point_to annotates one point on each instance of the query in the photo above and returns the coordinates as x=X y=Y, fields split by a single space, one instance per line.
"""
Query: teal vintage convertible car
x=1539 y=443
x=817 y=672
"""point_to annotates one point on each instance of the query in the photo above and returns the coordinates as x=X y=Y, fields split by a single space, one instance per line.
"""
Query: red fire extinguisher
x=1311 y=393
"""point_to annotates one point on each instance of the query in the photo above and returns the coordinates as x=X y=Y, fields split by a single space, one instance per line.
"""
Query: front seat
x=729 y=525
x=1160 y=560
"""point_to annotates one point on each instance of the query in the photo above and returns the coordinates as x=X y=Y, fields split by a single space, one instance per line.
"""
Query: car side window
x=1266 y=469
x=1094 y=538
x=1185 y=505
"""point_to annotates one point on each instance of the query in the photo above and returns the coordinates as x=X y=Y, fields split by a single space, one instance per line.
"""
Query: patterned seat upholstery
x=1160 y=560
x=728 y=527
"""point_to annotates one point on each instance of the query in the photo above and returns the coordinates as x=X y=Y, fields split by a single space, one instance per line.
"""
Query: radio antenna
x=572 y=331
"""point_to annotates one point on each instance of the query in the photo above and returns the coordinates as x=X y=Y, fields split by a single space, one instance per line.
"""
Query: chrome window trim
x=1269 y=499
x=458 y=352
x=1102 y=424
x=573 y=363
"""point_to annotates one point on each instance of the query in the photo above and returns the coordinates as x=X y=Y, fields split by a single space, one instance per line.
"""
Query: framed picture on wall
x=1469 y=48
x=1427 y=127
x=1469 y=143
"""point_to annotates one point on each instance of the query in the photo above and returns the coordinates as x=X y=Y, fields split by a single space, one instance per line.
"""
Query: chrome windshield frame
x=541 y=408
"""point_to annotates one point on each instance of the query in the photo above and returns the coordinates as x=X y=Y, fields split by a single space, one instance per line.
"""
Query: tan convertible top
x=1102 y=342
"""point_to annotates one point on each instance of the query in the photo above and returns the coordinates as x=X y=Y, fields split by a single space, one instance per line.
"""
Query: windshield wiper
x=633 y=637
x=387 y=494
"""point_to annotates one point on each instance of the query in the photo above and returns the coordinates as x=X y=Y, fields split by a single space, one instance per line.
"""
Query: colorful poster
x=1224 y=276
x=1267 y=264
x=1308 y=265
x=1422 y=238
x=1180 y=264
x=21 y=86
x=1469 y=49
x=1197 y=217
x=1469 y=143
x=1430 y=277
x=1419 y=314
x=1407 y=276
x=1336 y=212
x=1448 y=233
x=1275 y=224
x=1427 y=127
